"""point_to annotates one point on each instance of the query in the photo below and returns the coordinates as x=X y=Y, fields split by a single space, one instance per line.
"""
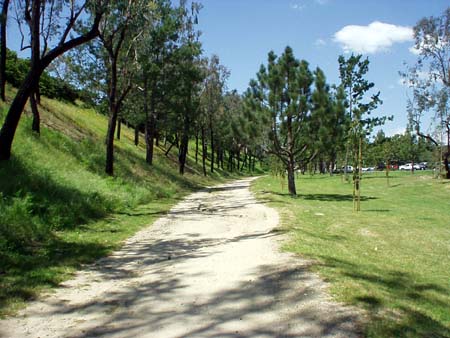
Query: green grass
x=392 y=258
x=58 y=210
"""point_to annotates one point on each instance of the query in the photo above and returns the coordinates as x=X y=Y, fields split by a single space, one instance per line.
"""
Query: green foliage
x=390 y=259
x=49 y=86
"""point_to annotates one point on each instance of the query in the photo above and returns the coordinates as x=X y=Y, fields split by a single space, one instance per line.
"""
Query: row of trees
x=139 y=62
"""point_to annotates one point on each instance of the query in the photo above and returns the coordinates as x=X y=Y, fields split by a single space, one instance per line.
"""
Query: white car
x=407 y=166
x=349 y=169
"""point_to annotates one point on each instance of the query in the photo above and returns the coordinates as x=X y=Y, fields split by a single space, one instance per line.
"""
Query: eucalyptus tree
x=212 y=101
x=186 y=68
x=119 y=28
x=429 y=79
x=76 y=16
x=282 y=92
x=352 y=72
x=157 y=43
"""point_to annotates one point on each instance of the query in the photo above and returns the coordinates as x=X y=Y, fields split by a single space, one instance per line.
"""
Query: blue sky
x=242 y=32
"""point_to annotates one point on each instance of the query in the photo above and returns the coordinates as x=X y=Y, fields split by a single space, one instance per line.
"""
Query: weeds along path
x=211 y=268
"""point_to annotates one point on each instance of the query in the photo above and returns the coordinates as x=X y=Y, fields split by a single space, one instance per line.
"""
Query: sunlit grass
x=392 y=258
x=59 y=210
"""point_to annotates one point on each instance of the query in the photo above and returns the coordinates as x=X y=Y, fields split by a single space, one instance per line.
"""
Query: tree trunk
x=238 y=157
x=230 y=161
x=119 y=128
x=218 y=157
x=136 y=135
x=204 y=151
x=149 y=137
x=196 y=146
x=212 y=147
x=15 y=112
x=149 y=124
x=3 y=20
x=184 y=144
x=244 y=162
x=109 y=169
x=291 y=177
x=31 y=81
x=168 y=150
x=358 y=206
x=183 y=151
x=36 y=125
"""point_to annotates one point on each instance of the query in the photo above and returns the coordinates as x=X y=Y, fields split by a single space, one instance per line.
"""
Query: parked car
x=368 y=169
x=407 y=166
x=349 y=169
x=423 y=165
x=381 y=166
x=420 y=166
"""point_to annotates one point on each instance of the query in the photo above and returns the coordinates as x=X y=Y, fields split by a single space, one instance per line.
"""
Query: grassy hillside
x=392 y=258
x=59 y=210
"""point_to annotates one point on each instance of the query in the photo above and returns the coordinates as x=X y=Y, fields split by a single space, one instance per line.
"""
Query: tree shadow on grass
x=411 y=297
x=26 y=274
x=325 y=197
x=35 y=205
x=57 y=205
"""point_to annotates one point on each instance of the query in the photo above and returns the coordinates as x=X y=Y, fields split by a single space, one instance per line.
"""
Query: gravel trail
x=210 y=268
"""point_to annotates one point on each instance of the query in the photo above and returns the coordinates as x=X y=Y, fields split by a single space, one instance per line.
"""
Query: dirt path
x=211 y=268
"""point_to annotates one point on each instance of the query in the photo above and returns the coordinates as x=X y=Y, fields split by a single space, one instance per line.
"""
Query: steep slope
x=59 y=210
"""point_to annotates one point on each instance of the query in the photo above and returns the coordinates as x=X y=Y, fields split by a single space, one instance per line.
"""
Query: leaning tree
x=75 y=16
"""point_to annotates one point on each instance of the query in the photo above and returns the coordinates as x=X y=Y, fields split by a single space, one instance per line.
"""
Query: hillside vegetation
x=59 y=210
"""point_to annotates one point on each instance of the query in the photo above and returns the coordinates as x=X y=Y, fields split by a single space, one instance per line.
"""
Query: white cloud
x=321 y=2
x=320 y=42
x=297 y=6
x=375 y=37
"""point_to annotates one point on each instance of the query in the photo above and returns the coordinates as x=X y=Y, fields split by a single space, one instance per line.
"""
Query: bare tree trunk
x=291 y=176
x=183 y=149
x=168 y=150
x=358 y=206
x=212 y=147
x=244 y=162
x=109 y=168
x=204 y=151
x=238 y=157
x=119 y=128
x=196 y=146
x=36 y=125
x=136 y=135
x=149 y=124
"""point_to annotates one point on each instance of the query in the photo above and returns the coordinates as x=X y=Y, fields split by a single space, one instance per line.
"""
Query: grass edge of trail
x=59 y=211
x=392 y=259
